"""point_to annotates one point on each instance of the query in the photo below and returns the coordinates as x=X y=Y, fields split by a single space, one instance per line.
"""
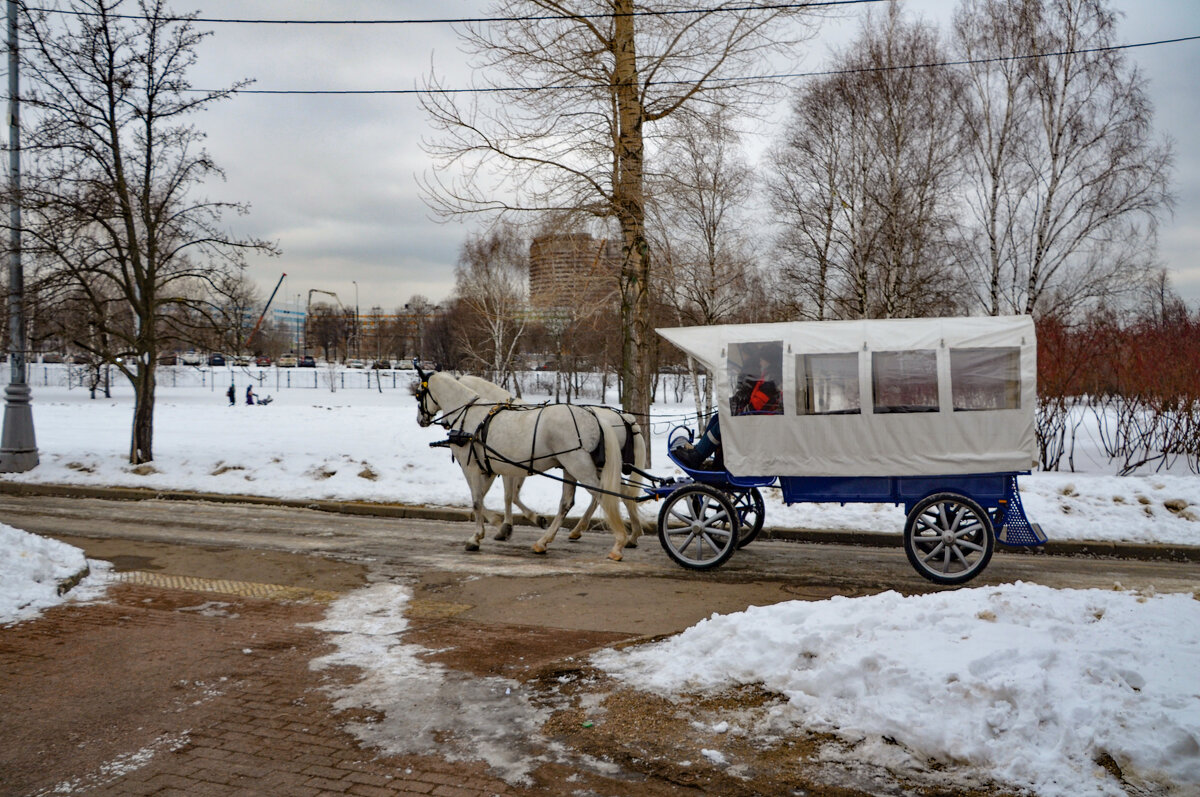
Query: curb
x=1096 y=548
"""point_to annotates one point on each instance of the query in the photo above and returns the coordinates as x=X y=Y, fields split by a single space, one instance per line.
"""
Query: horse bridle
x=427 y=418
x=424 y=416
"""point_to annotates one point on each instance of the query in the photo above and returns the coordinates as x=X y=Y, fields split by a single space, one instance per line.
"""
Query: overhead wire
x=464 y=20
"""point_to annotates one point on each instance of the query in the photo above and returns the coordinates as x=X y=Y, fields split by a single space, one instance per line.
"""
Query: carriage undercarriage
x=953 y=522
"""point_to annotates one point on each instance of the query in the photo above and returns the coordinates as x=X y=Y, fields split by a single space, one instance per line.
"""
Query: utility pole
x=357 y=345
x=18 y=444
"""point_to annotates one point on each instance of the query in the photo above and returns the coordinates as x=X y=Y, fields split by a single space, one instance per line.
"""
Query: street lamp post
x=357 y=331
x=18 y=444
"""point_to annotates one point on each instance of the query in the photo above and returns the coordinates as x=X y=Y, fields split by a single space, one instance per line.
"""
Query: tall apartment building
x=572 y=270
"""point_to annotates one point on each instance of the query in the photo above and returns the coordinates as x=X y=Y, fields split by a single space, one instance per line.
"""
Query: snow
x=32 y=570
x=1032 y=684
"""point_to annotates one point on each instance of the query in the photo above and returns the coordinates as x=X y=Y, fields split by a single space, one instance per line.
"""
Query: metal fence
x=219 y=377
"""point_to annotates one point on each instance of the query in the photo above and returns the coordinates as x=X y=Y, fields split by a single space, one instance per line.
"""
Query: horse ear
x=420 y=372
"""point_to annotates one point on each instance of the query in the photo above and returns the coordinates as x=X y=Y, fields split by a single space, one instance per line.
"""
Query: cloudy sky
x=334 y=179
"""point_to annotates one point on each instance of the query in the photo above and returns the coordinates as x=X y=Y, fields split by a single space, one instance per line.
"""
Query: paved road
x=644 y=594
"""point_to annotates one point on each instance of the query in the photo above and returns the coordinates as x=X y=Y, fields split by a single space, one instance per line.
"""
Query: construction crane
x=258 y=323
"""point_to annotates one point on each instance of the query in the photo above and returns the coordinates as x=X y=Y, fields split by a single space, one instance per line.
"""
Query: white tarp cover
x=836 y=417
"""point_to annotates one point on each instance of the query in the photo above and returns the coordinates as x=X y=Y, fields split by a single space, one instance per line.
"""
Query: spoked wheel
x=751 y=512
x=948 y=538
x=698 y=527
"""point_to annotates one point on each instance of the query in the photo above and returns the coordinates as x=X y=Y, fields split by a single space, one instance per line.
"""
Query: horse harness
x=484 y=455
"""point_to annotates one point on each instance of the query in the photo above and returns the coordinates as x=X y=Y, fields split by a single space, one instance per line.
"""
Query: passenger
x=757 y=394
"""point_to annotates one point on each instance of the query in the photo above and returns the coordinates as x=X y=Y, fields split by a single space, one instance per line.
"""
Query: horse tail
x=610 y=478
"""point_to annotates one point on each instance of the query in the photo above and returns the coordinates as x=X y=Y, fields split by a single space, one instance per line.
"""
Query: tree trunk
x=142 y=447
x=631 y=211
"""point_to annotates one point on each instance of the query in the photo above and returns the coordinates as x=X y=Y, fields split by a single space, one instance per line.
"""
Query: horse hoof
x=616 y=557
x=575 y=535
x=543 y=521
x=504 y=532
x=631 y=544
x=539 y=548
x=472 y=546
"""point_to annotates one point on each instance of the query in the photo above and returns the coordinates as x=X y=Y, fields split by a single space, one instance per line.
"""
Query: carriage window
x=755 y=373
x=905 y=381
x=827 y=384
x=986 y=379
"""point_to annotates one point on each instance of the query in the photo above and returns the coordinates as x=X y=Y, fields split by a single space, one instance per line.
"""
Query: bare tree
x=1069 y=179
x=109 y=196
x=864 y=180
x=236 y=311
x=703 y=184
x=599 y=74
x=810 y=190
x=490 y=281
x=997 y=114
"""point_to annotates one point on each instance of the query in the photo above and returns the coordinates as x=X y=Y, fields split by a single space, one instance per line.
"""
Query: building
x=570 y=270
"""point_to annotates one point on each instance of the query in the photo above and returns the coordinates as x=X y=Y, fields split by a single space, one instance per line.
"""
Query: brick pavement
x=173 y=692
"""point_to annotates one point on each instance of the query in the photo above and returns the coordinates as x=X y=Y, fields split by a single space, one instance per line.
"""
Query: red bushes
x=1140 y=378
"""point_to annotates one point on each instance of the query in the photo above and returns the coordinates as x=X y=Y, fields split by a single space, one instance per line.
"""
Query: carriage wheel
x=698 y=527
x=948 y=538
x=751 y=514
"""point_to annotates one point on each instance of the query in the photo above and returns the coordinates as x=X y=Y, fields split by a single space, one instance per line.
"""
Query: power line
x=743 y=79
x=461 y=20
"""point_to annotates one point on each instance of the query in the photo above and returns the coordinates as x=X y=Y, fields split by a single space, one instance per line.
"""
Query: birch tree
x=490 y=283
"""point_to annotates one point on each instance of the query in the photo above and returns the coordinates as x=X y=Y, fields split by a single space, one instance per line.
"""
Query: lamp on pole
x=18 y=444
x=357 y=333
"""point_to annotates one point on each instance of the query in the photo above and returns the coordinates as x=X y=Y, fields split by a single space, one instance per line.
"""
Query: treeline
x=1137 y=376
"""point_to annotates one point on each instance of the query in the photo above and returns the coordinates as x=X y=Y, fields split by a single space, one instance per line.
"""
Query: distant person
x=249 y=394
x=232 y=394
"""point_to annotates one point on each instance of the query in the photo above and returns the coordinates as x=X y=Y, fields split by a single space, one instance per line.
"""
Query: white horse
x=505 y=439
x=622 y=423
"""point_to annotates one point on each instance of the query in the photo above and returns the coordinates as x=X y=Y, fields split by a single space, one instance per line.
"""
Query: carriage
x=936 y=414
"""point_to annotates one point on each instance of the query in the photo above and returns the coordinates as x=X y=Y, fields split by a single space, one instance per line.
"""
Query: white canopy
x=892 y=397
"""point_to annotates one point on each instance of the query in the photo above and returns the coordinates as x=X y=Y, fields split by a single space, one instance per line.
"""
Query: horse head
x=427 y=406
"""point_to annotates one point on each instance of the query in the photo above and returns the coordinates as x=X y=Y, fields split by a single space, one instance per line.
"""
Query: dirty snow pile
x=1032 y=684
x=31 y=571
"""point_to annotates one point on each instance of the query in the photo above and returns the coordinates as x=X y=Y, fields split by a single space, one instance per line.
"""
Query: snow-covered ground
x=1030 y=684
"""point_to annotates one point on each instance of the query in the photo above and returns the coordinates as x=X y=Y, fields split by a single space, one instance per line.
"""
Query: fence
x=219 y=377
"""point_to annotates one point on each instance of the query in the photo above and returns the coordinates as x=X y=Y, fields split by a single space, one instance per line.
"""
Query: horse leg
x=564 y=505
x=511 y=484
x=635 y=522
x=538 y=520
x=479 y=484
x=582 y=525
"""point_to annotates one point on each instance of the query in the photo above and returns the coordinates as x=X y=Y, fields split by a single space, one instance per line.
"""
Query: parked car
x=168 y=359
x=52 y=357
x=263 y=361
x=216 y=359
x=381 y=365
x=307 y=361
x=355 y=364
x=191 y=358
x=240 y=360
x=287 y=361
